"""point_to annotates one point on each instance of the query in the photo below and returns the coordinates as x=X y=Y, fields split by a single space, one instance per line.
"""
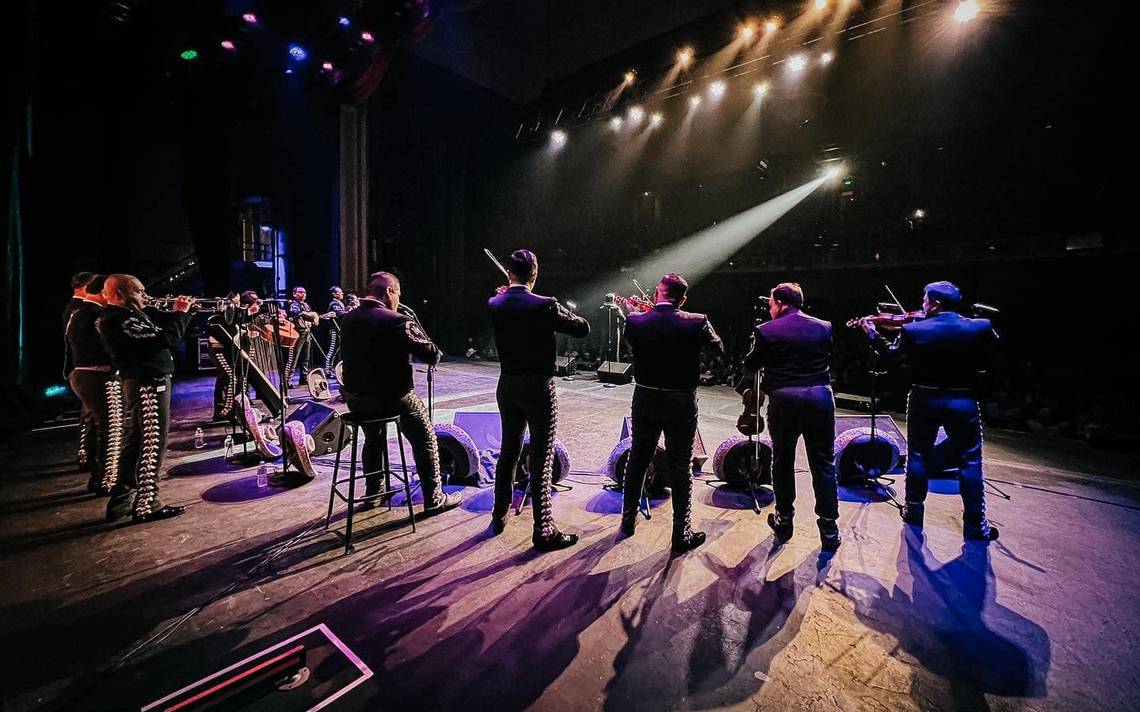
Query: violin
x=750 y=421
x=888 y=321
x=635 y=303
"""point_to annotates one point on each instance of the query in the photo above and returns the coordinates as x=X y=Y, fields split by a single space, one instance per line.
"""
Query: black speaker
x=322 y=424
x=565 y=366
x=615 y=372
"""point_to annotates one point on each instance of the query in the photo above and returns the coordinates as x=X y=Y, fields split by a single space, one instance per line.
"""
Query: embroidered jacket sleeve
x=710 y=338
x=567 y=322
x=419 y=345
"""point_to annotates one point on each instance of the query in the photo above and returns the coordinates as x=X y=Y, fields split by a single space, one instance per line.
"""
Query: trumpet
x=201 y=305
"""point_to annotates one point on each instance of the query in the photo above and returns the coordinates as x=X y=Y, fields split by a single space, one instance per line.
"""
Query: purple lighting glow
x=250 y=18
x=367 y=36
x=228 y=45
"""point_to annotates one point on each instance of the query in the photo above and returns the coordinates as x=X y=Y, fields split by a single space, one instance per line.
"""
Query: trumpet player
x=140 y=345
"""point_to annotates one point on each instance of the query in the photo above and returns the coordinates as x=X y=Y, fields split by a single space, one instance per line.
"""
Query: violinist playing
x=792 y=353
x=667 y=344
x=946 y=352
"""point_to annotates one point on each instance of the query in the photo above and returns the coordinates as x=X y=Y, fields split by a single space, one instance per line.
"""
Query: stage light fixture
x=760 y=89
x=747 y=31
x=820 y=4
x=367 y=37
x=694 y=101
x=967 y=10
x=685 y=56
x=797 y=63
x=189 y=54
x=615 y=122
x=919 y=214
x=833 y=171
x=326 y=66
x=249 y=18
x=656 y=118
x=630 y=77
x=228 y=45
x=636 y=114
x=297 y=52
x=343 y=21
x=772 y=25
x=558 y=137
x=826 y=58
x=717 y=89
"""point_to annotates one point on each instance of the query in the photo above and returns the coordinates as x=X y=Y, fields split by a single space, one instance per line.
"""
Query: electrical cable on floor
x=1068 y=494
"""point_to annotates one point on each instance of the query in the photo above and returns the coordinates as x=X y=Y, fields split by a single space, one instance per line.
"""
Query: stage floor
x=450 y=617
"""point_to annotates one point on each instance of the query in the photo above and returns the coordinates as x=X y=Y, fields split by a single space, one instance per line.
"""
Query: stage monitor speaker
x=860 y=458
x=615 y=372
x=883 y=423
x=700 y=455
x=565 y=366
x=485 y=429
x=322 y=424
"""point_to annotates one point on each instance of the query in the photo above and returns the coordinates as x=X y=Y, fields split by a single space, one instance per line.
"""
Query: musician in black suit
x=336 y=310
x=666 y=344
x=793 y=354
x=946 y=352
x=94 y=381
x=231 y=321
x=377 y=343
x=300 y=356
x=525 y=324
x=79 y=282
x=140 y=343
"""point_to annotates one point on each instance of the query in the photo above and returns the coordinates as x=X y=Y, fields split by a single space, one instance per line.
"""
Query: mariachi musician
x=946 y=352
x=336 y=310
x=140 y=344
x=230 y=321
x=792 y=352
x=304 y=319
x=666 y=344
x=79 y=282
x=94 y=381
x=525 y=324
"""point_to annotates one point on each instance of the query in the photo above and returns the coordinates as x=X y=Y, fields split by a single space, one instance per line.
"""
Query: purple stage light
x=249 y=18
x=228 y=45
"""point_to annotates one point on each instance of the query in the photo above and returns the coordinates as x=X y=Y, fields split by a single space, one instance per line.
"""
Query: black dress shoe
x=829 y=539
x=987 y=533
x=688 y=543
x=782 y=527
x=555 y=541
x=498 y=522
x=912 y=513
x=165 y=513
x=628 y=525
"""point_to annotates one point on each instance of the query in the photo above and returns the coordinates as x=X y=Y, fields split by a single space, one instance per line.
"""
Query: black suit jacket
x=83 y=340
x=946 y=350
x=667 y=344
x=376 y=346
x=793 y=350
x=525 y=325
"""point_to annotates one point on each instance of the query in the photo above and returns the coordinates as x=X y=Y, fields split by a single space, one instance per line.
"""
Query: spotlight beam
x=699 y=254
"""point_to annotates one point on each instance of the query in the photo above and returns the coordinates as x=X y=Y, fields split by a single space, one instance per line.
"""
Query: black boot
x=687 y=542
x=912 y=513
x=555 y=541
x=435 y=503
x=163 y=513
x=829 y=539
x=978 y=528
x=781 y=526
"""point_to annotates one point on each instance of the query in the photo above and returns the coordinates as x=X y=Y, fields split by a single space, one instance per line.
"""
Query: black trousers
x=810 y=412
x=224 y=384
x=300 y=358
x=146 y=417
x=417 y=428
x=101 y=395
x=86 y=434
x=673 y=413
x=957 y=412
x=527 y=400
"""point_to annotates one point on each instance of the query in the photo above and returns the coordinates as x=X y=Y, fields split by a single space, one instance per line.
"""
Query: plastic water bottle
x=229 y=445
x=199 y=439
x=263 y=475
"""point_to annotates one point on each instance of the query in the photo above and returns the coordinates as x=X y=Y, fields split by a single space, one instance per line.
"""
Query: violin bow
x=644 y=294
x=497 y=263
x=897 y=302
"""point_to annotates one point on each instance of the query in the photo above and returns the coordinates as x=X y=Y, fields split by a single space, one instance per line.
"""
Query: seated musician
x=377 y=343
